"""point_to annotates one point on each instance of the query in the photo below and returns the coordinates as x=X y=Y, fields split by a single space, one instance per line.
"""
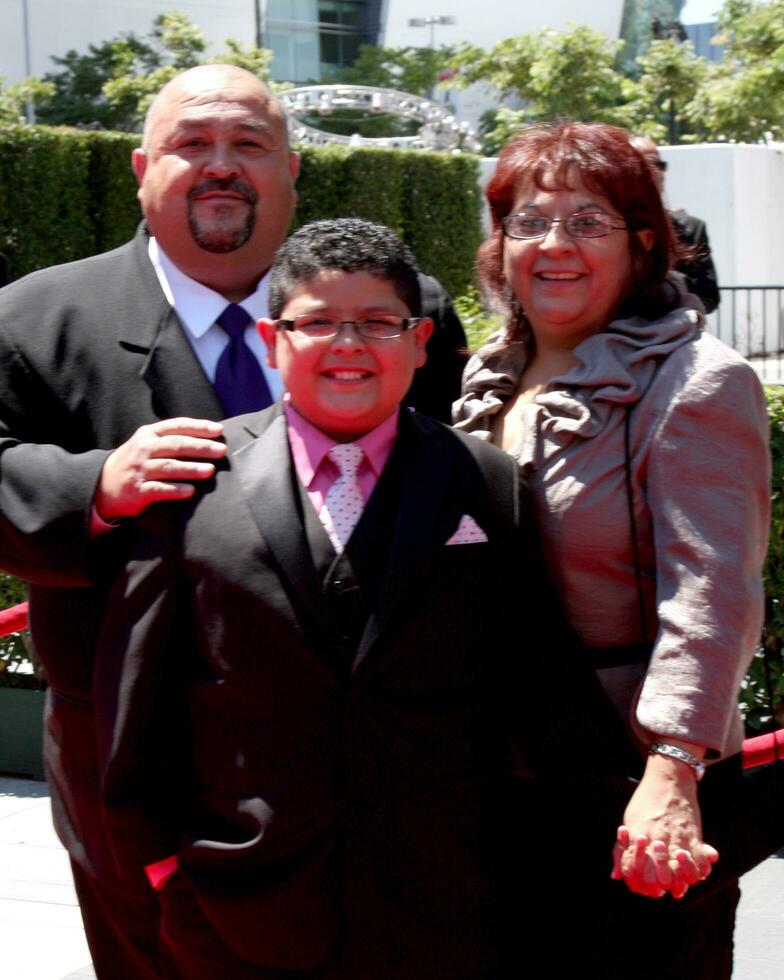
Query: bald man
x=698 y=271
x=117 y=372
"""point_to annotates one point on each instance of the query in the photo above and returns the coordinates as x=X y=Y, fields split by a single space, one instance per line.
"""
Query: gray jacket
x=701 y=489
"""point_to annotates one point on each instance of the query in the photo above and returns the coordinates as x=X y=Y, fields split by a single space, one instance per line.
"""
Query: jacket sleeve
x=708 y=490
x=138 y=682
x=46 y=492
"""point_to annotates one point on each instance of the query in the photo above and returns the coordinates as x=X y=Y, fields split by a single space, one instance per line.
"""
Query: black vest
x=349 y=583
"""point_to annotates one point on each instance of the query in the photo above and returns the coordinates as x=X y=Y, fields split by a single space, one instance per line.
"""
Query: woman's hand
x=660 y=848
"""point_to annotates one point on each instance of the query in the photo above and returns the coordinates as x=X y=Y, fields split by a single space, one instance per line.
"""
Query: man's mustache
x=234 y=184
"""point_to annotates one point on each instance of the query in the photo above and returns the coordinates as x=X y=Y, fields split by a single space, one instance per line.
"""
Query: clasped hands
x=659 y=848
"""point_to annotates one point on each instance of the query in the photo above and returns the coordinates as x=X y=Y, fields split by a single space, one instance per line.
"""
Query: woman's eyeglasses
x=585 y=224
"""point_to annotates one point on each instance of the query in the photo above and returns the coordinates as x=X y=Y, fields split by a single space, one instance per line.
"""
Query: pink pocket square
x=468 y=532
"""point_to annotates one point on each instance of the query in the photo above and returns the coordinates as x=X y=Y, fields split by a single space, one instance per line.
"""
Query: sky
x=700 y=11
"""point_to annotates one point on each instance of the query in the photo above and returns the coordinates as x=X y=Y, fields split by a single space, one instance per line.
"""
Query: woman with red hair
x=645 y=443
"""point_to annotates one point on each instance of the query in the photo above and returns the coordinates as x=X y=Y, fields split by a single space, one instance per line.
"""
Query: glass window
x=329 y=12
x=351 y=15
x=330 y=49
x=311 y=37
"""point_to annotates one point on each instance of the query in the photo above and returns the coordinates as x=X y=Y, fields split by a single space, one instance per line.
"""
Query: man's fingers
x=640 y=855
x=709 y=853
x=660 y=862
x=201 y=428
x=706 y=857
x=155 y=492
x=183 y=447
x=688 y=870
x=616 y=874
x=175 y=469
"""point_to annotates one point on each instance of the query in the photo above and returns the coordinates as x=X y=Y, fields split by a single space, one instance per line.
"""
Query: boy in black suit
x=317 y=683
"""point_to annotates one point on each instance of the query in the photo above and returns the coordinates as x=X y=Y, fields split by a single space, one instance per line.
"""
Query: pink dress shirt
x=317 y=472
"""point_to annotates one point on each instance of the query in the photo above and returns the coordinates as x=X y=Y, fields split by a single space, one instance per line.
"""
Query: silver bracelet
x=696 y=765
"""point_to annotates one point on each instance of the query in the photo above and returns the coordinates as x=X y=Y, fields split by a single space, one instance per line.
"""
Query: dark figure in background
x=123 y=352
x=697 y=269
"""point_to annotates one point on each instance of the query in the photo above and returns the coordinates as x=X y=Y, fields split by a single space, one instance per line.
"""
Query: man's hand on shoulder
x=150 y=466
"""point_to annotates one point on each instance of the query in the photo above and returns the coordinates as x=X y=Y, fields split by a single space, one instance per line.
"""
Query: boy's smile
x=348 y=384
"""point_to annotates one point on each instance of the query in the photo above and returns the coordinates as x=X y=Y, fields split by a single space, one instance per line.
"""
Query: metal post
x=257 y=12
x=28 y=60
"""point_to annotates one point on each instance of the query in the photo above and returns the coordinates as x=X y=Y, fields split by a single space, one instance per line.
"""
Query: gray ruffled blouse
x=700 y=475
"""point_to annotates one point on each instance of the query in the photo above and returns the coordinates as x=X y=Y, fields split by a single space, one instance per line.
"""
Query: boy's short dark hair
x=349 y=245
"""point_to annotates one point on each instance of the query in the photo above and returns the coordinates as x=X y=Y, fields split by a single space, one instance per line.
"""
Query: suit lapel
x=176 y=377
x=427 y=471
x=265 y=474
x=170 y=366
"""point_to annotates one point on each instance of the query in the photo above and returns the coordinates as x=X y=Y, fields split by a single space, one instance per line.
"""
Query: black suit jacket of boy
x=319 y=804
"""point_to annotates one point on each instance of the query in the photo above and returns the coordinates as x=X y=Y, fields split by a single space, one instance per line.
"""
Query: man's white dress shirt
x=198 y=307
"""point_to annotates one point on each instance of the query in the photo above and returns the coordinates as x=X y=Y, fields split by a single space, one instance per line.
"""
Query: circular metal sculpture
x=439 y=129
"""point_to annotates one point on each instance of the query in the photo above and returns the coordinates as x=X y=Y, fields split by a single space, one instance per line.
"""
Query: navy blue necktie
x=239 y=380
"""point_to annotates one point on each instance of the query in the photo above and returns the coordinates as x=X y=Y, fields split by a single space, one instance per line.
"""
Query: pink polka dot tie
x=343 y=503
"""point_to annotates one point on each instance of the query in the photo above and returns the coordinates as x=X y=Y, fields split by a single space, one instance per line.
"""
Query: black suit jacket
x=90 y=351
x=311 y=806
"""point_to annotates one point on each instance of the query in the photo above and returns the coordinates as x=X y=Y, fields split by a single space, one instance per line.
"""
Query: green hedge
x=65 y=194
x=765 y=680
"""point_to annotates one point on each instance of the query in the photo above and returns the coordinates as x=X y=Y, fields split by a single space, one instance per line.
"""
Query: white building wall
x=57 y=26
x=738 y=190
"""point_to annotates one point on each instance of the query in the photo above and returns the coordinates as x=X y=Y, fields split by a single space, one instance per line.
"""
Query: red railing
x=756 y=751
x=14 y=619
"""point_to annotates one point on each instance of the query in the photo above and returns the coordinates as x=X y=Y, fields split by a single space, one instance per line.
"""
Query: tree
x=15 y=98
x=555 y=75
x=113 y=84
x=659 y=102
x=413 y=70
x=743 y=96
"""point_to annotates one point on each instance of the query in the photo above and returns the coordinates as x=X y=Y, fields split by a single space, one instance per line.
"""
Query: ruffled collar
x=612 y=368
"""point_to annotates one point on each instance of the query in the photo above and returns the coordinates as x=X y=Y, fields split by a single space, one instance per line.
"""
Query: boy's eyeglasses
x=322 y=326
x=585 y=224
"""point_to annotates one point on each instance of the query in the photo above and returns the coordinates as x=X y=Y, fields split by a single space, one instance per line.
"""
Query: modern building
x=310 y=38
x=701 y=36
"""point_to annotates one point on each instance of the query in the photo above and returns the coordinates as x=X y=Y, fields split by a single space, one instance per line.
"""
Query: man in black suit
x=697 y=268
x=316 y=679
x=107 y=404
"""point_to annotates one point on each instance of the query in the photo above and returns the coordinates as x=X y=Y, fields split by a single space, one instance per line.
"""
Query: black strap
x=627 y=465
